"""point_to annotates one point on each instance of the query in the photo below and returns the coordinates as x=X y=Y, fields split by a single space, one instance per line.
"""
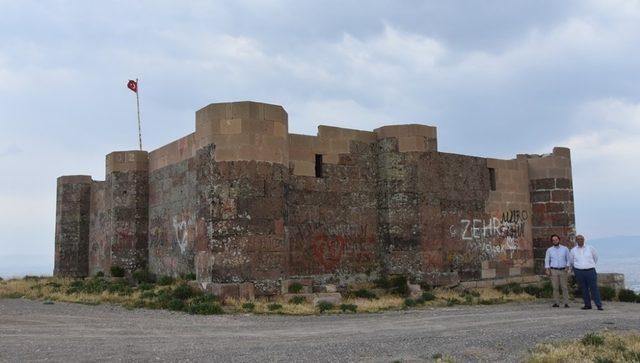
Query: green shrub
x=592 y=339
x=607 y=293
x=603 y=360
x=428 y=296
x=163 y=297
x=190 y=276
x=547 y=290
x=324 y=306
x=176 y=304
x=95 y=285
x=205 y=308
x=148 y=295
x=348 y=307
x=117 y=271
x=382 y=283
x=627 y=295
x=165 y=280
x=509 y=288
x=426 y=286
x=32 y=277
x=145 y=286
x=408 y=302
x=248 y=306
x=399 y=285
x=297 y=300
x=533 y=290
x=204 y=298
x=99 y=274
x=183 y=292
x=120 y=287
x=453 y=301
x=274 y=306
x=143 y=276
x=365 y=294
x=295 y=288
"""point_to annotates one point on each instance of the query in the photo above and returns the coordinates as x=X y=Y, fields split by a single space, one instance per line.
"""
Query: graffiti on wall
x=331 y=245
x=492 y=238
x=181 y=225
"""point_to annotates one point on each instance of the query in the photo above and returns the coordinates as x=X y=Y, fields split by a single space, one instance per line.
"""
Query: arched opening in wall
x=318 y=165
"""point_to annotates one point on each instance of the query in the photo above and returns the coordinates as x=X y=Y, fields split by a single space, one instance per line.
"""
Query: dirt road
x=32 y=331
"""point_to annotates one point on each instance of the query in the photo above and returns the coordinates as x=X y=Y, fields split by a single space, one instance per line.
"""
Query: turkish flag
x=133 y=85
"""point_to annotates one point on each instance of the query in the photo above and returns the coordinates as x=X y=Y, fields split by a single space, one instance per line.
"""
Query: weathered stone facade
x=242 y=200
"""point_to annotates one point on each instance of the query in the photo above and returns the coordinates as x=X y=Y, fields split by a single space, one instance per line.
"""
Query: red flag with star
x=133 y=85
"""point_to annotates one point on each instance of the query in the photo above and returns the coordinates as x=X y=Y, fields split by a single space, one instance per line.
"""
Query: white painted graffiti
x=493 y=236
x=182 y=232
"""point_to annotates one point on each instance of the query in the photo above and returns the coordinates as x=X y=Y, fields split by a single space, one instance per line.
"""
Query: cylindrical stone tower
x=72 y=226
x=128 y=184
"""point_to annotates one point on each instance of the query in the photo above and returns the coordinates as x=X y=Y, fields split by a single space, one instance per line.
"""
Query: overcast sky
x=497 y=78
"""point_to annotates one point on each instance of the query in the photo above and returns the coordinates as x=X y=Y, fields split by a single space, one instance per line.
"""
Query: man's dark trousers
x=588 y=281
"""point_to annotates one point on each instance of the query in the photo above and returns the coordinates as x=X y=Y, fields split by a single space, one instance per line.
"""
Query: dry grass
x=617 y=346
x=55 y=289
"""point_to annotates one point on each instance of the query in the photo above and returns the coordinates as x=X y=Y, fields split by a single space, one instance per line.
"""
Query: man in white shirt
x=583 y=259
x=556 y=263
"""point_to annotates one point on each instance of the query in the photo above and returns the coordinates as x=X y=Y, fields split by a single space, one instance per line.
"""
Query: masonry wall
x=551 y=188
x=241 y=199
x=332 y=220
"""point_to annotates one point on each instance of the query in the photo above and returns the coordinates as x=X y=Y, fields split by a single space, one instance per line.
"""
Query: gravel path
x=32 y=331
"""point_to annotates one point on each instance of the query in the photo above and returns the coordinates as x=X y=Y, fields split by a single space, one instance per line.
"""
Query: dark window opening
x=492 y=178
x=318 y=165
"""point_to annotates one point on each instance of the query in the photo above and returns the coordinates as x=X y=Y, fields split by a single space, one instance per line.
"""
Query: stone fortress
x=242 y=202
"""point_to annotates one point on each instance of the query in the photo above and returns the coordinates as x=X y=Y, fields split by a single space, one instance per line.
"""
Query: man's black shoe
x=566 y=305
x=586 y=308
x=555 y=306
x=600 y=308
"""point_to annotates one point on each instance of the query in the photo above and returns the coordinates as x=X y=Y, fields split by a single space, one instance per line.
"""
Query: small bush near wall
x=324 y=306
x=117 y=271
x=607 y=293
x=295 y=288
x=349 y=307
x=627 y=295
x=165 y=280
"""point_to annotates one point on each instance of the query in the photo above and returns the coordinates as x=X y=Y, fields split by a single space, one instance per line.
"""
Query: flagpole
x=138 y=104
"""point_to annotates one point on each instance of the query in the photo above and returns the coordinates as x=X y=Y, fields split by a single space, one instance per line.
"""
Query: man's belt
x=558 y=268
x=584 y=269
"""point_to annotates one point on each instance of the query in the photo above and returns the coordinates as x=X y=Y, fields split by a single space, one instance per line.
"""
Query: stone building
x=243 y=200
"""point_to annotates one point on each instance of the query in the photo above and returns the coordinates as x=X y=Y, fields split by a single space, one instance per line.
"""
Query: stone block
x=334 y=298
x=488 y=273
x=484 y=283
x=246 y=291
x=500 y=282
x=514 y=271
x=469 y=284
x=415 y=291
x=529 y=279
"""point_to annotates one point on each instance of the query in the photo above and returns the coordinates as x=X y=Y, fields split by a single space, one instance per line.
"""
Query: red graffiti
x=328 y=253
